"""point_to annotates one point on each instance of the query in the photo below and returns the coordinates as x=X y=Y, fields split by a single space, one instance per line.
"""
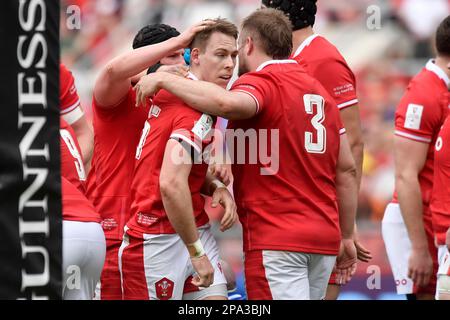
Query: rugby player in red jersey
x=440 y=209
x=322 y=60
x=298 y=210
x=117 y=127
x=407 y=222
x=73 y=114
x=83 y=239
x=168 y=251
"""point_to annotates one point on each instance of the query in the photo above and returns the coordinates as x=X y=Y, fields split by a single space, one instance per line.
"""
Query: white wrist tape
x=218 y=184
x=196 y=249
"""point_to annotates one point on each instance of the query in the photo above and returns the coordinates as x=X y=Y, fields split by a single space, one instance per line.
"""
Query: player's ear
x=249 y=46
x=195 y=52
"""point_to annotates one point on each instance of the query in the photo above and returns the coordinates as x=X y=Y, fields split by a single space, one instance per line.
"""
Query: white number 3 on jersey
x=320 y=137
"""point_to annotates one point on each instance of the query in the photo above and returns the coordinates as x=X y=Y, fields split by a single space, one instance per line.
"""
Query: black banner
x=30 y=183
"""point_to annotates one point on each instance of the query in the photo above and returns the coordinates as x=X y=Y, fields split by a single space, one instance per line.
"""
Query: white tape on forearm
x=218 y=184
x=196 y=249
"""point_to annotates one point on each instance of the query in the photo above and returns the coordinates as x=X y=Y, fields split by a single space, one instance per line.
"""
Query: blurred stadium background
x=383 y=59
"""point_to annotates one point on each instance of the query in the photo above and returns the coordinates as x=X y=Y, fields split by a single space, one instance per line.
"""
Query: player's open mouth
x=225 y=78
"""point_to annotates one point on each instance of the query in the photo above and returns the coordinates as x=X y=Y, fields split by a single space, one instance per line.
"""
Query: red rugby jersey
x=419 y=117
x=116 y=135
x=169 y=118
x=76 y=207
x=72 y=167
x=288 y=203
x=70 y=108
x=440 y=198
x=322 y=61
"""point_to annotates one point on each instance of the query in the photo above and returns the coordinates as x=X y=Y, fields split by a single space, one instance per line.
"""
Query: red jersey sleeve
x=416 y=117
x=72 y=167
x=339 y=81
x=70 y=108
x=255 y=86
x=193 y=128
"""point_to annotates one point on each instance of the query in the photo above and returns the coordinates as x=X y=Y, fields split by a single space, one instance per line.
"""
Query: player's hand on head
x=223 y=197
x=188 y=35
x=345 y=266
x=177 y=69
x=205 y=271
x=420 y=266
x=146 y=88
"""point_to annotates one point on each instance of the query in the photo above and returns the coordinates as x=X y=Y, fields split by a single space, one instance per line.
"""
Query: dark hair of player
x=221 y=26
x=271 y=30
x=301 y=13
x=443 y=38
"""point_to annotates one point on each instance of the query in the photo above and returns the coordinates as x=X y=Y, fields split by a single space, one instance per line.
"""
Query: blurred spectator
x=422 y=17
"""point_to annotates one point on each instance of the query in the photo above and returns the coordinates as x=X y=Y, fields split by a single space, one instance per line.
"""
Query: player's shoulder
x=65 y=76
x=321 y=48
x=63 y=69
x=422 y=89
x=270 y=71
x=169 y=103
x=128 y=101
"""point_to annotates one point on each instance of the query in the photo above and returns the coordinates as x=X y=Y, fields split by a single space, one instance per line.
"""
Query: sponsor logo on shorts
x=164 y=289
x=402 y=282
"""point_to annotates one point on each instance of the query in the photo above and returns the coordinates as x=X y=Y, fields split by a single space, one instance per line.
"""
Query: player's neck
x=301 y=35
x=444 y=64
x=258 y=59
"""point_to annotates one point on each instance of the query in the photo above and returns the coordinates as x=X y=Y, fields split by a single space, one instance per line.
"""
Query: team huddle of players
x=133 y=189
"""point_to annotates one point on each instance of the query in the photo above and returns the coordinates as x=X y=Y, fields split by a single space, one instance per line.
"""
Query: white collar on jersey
x=304 y=44
x=265 y=64
x=431 y=66
x=192 y=76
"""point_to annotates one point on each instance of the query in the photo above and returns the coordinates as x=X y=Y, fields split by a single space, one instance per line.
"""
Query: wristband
x=196 y=249
x=218 y=184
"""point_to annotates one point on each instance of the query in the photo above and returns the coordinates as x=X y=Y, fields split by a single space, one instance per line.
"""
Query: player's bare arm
x=177 y=201
x=346 y=187
x=203 y=96
x=410 y=157
x=352 y=123
x=115 y=79
x=85 y=135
